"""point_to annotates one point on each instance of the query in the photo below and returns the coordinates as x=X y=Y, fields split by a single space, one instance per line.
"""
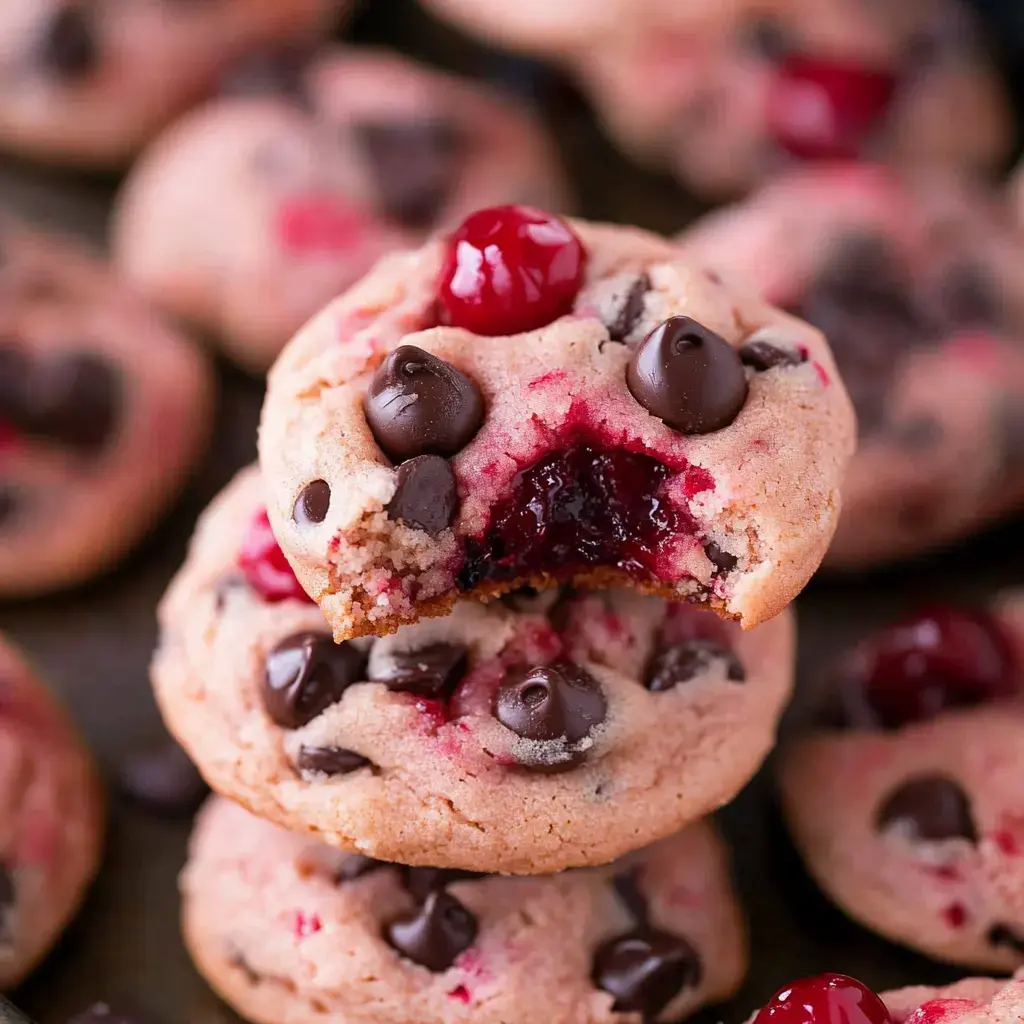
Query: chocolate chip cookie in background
x=723 y=95
x=266 y=912
x=254 y=211
x=918 y=284
x=529 y=735
x=534 y=401
x=103 y=412
x=52 y=822
x=88 y=82
x=905 y=796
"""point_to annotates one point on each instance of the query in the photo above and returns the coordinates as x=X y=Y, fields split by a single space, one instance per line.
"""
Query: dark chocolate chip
x=688 y=376
x=551 y=702
x=723 y=561
x=8 y=898
x=631 y=309
x=9 y=504
x=1002 y=935
x=969 y=297
x=421 y=882
x=329 y=760
x=163 y=780
x=70 y=48
x=307 y=673
x=762 y=355
x=627 y=888
x=415 y=166
x=356 y=865
x=928 y=809
x=426 y=496
x=435 y=933
x=431 y=671
x=684 y=661
x=313 y=502
x=418 y=404
x=645 y=970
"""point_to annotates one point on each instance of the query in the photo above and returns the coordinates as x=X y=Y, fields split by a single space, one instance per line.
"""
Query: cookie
x=532 y=401
x=722 y=95
x=103 y=411
x=87 y=82
x=266 y=913
x=52 y=819
x=537 y=733
x=918 y=284
x=254 y=211
x=903 y=798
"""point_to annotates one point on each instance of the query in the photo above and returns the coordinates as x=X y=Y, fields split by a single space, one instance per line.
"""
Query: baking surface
x=94 y=646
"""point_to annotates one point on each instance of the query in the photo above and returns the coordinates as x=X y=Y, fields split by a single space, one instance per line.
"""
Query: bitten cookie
x=287 y=929
x=724 y=94
x=52 y=820
x=918 y=284
x=905 y=799
x=103 y=411
x=87 y=82
x=531 y=401
x=530 y=735
x=254 y=211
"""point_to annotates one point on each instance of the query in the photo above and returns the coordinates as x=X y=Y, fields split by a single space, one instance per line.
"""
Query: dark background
x=94 y=644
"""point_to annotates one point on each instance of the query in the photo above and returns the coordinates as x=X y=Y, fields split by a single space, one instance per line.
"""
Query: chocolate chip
x=9 y=504
x=163 y=780
x=723 y=561
x=969 y=297
x=928 y=809
x=418 y=404
x=421 y=882
x=8 y=898
x=645 y=970
x=69 y=46
x=307 y=673
x=627 y=888
x=762 y=355
x=688 y=376
x=684 y=661
x=313 y=502
x=631 y=309
x=415 y=166
x=329 y=760
x=551 y=702
x=356 y=865
x=431 y=671
x=1002 y=935
x=435 y=933
x=426 y=496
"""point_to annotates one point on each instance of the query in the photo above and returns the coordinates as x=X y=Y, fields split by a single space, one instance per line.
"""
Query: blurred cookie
x=254 y=211
x=87 y=82
x=103 y=412
x=285 y=929
x=918 y=285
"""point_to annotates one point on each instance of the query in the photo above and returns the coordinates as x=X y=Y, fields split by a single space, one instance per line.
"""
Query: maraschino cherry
x=510 y=269
x=264 y=566
x=824 y=999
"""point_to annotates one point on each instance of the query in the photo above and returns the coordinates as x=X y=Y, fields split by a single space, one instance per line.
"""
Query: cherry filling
x=264 y=566
x=823 y=110
x=941 y=658
x=574 y=510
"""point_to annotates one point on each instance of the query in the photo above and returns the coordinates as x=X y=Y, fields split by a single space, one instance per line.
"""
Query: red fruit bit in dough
x=955 y=915
x=824 y=999
x=941 y=1011
x=264 y=566
x=509 y=269
x=306 y=924
x=460 y=994
x=318 y=224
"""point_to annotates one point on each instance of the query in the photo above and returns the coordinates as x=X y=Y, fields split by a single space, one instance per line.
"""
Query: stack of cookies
x=507 y=596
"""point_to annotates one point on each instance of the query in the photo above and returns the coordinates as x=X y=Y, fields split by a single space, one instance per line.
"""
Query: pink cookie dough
x=52 y=821
x=253 y=212
x=103 y=412
x=735 y=518
x=88 y=82
x=286 y=929
x=905 y=799
x=408 y=748
x=918 y=284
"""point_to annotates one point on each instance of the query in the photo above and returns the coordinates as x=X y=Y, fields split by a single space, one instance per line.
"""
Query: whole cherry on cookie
x=824 y=999
x=510 y=269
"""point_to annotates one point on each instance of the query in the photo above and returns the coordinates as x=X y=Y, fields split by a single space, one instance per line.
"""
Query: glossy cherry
x=824 y=999
x=942 y=657
x=824 y=110
x=264 y=566
x=509 y=269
